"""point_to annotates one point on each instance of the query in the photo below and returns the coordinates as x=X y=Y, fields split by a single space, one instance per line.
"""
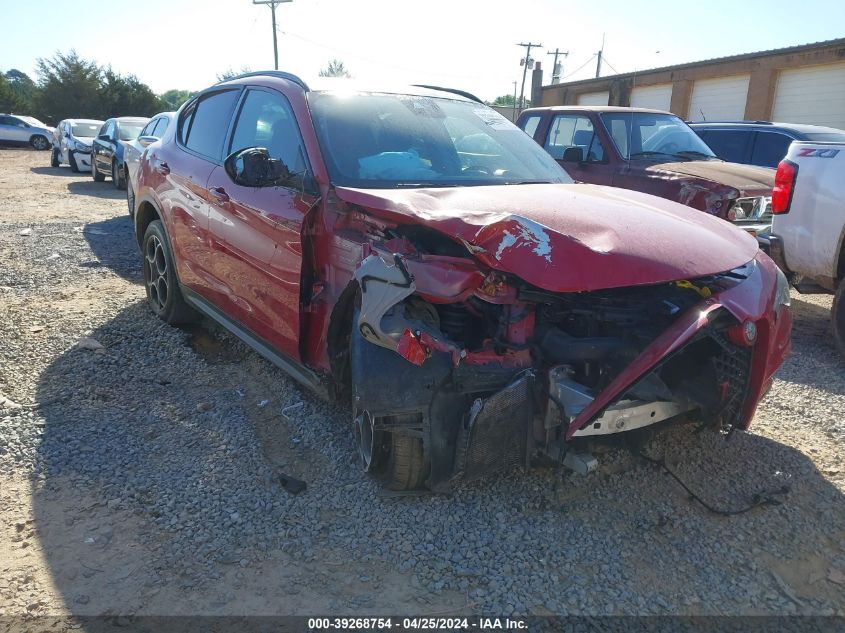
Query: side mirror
x=104 y=137
x=146 y=141
x=573 y=155
x=253 y=167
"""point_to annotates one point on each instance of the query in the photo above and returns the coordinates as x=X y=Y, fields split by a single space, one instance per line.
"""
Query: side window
x=161 y=128
x=17 y=122
x=769 y=148
x=531 y=123
x=574 y=130
x=266 y=120
x=110 y=130
x=4 y=120
x=209 y=120
x=149 y=128
x=731 y=146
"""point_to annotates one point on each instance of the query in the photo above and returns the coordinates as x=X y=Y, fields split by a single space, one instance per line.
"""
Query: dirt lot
x=142 y=477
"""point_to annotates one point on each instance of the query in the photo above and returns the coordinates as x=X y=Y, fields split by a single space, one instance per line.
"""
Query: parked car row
x=414 y=254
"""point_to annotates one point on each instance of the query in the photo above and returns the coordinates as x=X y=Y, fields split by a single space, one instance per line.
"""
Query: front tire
x=837 y=314
x=95 y=173
x=71 y=159
x=163 y=294
x=117 y=176
x=39 y=142
x=406 y=468
x=54 y=158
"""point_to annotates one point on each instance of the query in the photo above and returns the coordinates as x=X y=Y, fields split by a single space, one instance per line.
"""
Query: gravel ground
x=141 y=477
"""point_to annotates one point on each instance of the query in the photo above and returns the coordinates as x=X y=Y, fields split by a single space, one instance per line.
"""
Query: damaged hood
x=568 y=238
x=743 y=178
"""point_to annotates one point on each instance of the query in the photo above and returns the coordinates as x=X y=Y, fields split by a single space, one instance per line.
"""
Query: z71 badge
x=818 y=153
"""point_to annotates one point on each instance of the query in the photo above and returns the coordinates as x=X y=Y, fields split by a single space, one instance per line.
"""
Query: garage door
x=811 y=95
x=594 y=98
x=721 y=99
x=655 y=97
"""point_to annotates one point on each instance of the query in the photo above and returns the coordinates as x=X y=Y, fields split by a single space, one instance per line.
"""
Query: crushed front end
x=491 y=371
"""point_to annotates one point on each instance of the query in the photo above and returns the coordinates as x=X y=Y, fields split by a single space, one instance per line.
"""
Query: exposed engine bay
x=493 y=371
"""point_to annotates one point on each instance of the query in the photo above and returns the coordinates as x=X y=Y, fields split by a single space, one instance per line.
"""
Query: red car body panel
x=570 y=238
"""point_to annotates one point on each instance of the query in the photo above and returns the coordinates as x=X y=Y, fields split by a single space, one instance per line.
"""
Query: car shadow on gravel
x=113 y=244
x=158 y=492
x=96 y=189
x=56 y=171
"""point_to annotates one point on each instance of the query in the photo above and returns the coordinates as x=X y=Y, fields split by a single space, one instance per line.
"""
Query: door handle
x=219 y=194
x=162 y=168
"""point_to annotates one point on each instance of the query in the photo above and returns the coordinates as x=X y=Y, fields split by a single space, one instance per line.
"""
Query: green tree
x=507 y=100
x=173 y=99
x=69 y=86
x=23 y=87
x=335 y=69
x=126 y=96
x=10 y=100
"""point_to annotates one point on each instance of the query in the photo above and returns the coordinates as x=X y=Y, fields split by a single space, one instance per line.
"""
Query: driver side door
x=575 y=130
x=258 y=230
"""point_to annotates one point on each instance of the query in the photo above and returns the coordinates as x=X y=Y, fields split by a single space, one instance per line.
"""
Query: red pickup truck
x=654 y=152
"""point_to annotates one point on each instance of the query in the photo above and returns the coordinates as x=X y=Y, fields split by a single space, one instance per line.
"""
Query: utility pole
x=525 y=62
x=555 y=71
x=598 y=55
x=273 y=4
x=513 y=116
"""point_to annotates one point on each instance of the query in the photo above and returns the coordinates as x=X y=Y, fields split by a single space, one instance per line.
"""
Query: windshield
x=130 y=131
x=85 y=130
x=649 y=135
x=826 y=137
x=387 y=140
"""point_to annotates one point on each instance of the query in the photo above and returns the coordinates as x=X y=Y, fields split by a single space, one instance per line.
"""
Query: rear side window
x=530 y=125
x=730 y=145
x=204 y=126
x=149 y=128
x=769 y=149
x=161 y=127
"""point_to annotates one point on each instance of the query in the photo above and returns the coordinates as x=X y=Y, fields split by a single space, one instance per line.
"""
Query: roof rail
x=272 y=73
x=462 y=93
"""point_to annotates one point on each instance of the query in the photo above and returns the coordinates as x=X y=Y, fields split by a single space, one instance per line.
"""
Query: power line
x=579 y=67
x=606 y=61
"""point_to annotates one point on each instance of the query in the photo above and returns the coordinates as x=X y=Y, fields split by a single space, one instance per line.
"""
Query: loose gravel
x=180 y=433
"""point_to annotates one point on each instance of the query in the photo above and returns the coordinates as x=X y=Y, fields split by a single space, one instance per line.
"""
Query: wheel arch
x=338 y=339
x=839 y=271
x=146 y=211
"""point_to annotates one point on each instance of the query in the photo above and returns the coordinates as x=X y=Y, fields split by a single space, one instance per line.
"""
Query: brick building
x=798 y=84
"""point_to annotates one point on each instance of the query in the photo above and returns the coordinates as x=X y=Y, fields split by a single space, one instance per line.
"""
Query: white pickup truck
x=808 y=228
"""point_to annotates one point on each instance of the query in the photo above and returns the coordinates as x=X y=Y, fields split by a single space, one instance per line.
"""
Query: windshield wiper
x=649 y=153
x=691 y=153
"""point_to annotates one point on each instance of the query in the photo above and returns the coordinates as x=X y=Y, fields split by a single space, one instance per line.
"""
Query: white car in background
x=132 y=151
x=72 y=143
x=25 y=130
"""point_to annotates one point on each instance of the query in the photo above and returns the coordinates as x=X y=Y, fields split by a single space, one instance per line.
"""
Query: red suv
x=415 y=254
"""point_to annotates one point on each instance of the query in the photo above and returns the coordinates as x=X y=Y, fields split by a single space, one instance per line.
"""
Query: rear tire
x=74 y=166
x=54 y=158
x=837 y=314
x=163 y=294
x=39 y=142
x=95 y=173
x=130 y=198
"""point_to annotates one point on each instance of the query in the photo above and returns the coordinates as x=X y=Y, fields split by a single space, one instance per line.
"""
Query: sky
x=466 y=44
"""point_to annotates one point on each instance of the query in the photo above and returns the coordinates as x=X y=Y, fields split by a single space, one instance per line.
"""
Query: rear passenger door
x=769 y=148
x=181 y=170
x=259 y=230
x=733 y=146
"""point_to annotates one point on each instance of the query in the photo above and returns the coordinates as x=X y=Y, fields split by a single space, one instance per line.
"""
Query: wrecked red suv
x=415 y=254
